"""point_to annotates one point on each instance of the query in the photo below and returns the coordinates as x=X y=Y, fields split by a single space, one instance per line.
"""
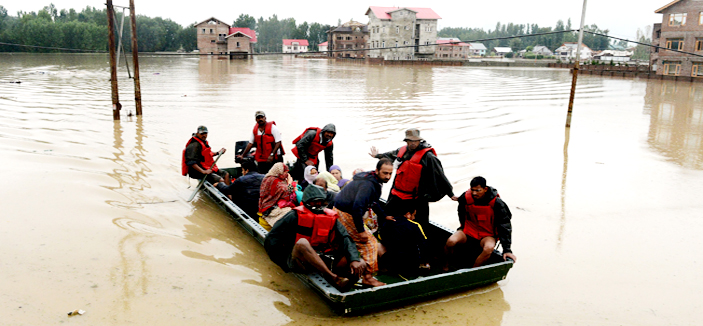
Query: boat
x=398 y=290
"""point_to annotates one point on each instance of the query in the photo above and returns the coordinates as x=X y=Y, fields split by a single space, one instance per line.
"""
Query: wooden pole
x=135 y=59
x=576 y=68
x=116 y=106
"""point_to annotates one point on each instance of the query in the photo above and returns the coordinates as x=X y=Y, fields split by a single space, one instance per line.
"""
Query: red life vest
x=315 y=146
x=318 y=229
x=207 y=154
x=479 y=219
x=407 y=177
x=264 y=143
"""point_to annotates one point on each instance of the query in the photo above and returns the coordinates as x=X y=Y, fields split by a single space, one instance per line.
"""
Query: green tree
x=245 y=21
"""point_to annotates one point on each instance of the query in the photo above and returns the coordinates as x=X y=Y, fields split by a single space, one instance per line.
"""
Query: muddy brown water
x=93 y=212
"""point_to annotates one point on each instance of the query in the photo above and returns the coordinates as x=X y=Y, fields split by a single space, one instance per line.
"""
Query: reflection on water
x=676 y=121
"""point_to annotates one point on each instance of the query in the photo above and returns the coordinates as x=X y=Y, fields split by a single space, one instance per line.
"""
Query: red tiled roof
x=244 y=30
x=323 y=44
x=421 y=13
x=300 y=42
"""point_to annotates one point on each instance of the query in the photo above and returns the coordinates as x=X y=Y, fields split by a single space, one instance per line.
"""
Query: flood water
x=93 y=213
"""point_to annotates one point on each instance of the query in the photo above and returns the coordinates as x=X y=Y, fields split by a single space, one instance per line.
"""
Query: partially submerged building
x=567 y=52
x=452 y=49
x=402 y=33
x=681 y=29
x=352 y=36
x=217 y=37
x=295 y=46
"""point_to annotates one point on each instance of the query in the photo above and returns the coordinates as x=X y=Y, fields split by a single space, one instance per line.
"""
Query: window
x=672 y=68
x=699 y=44
x=211 y=31
x=212 y=41
x=397 y=30
x=237 y=44
x=700 y=18
x=677 y=19
x=396 y=44
x=407 y=28
x=697 y=69
x=674 y=44
x=383 y=45
x=203 y=31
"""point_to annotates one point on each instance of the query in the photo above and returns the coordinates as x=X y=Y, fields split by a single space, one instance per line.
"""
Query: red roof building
x=291 y=42
x=244 y=30
x=295 y=46
x=421 y=13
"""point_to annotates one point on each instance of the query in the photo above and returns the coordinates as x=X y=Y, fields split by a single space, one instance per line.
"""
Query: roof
x=300 y=42
x=452 y=41
x=323 y=44
x=659 y=11
x=349 y=29
x=478 y=46
x=248 y=32
x=502 y=49
x=212 y=18
x=614 y=53
x=572 y=45
x=421 y=13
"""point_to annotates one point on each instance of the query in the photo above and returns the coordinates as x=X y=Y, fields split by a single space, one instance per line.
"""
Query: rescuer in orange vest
x=307 y=147
x=484 y=217
x=267 y=139
x=299 y=241
x=419 y=176
x=198 y=159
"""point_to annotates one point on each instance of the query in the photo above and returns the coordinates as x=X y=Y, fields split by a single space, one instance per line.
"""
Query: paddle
x=200 y=184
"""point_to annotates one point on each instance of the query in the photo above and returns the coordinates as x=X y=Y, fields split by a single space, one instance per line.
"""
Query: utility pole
x=135 y=58
x=576 y=67
x=116 y=106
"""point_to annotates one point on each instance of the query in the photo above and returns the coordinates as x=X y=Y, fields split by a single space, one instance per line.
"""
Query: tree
x=244 y=20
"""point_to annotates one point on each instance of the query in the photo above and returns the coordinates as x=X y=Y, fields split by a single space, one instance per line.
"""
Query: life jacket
x=264 y=143
x=318 y=229
x=207 y=154
x=479 y=219
x=407 y=177
x=315 y=146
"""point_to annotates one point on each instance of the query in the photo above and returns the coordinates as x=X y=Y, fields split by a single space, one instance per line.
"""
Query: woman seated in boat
x=330 y=179
x=276 y=195
x=298 y=240
x=336 y=171
x=309 y=176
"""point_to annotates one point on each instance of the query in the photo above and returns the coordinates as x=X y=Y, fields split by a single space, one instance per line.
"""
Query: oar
x=200 y=184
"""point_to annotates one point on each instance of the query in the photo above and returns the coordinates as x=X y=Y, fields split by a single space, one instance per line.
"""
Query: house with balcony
x=217 y=37
x=352 y=36
x=681 y=29
x=452 y=49
x=402 y=33
x=295 y=46
x=240 y=41
x=567 y=52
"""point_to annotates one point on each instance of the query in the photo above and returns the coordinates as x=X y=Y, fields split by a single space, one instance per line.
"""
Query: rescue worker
x=297 y=241
x=307 y=146
x=198 y=159
x=267 y=139
x=419 y=179
x=484 y=217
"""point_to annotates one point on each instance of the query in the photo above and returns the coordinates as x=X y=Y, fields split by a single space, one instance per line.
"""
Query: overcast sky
x=622 y=18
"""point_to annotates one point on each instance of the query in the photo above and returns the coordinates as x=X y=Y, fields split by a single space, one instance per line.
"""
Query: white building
x=295 y=46
x=567 y=51
x=501 y=51
x=477 y=49
x=322 y=47
x=402 y=32
x=613 y=55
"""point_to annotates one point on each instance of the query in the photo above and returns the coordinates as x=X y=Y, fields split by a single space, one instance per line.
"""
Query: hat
x=412 y=134
x=202 y=130
x=259 y=114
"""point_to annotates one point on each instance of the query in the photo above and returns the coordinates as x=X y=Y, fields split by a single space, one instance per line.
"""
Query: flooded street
x=93 y=213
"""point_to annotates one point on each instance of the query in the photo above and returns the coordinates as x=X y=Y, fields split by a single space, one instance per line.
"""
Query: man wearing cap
x=420 y=177
x=267 y=139
x=198 y=159
x=310 y=143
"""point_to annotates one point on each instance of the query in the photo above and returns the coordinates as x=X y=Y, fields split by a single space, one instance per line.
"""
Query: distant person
x=353 y=204
x=198 y=159
x=267 y=139
x=420 y=177
x=245 y=190
x=295 y=241
x=406 y=244
x=337 y=173
x=484 y=217
x=276 y=195
x=309 y=144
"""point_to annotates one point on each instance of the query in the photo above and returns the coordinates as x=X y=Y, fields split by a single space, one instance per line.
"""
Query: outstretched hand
x=373 y=151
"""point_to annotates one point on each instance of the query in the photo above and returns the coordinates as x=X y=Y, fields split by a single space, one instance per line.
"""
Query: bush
x=509 y=55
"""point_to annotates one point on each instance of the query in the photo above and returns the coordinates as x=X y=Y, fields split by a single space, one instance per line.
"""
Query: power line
x=645 y=44
x=52 y=48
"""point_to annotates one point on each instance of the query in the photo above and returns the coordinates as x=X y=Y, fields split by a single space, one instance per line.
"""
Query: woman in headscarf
x=275 y=199
x=331 y=181
x=309 y=176
x=336 y=171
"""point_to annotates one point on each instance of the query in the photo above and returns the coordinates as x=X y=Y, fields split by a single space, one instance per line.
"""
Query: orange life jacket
x=407 y=177
x=479 y=219
x=318 y=229
x=315 y=146
x=264 y=143
x=207 y=154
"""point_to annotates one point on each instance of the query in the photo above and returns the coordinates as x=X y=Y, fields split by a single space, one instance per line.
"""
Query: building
x=295 y=46
x=322 y=47
x=501 y=51
x=402 y=33
x=478 y=49
x=542 y=50
x=567 y=52
x=240 y=40
x=452 y=49
x=612 y=56
x=217 y=37
x=349 y=36
x=681 y=29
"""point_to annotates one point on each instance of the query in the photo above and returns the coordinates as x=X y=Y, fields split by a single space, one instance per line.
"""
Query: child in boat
x=405 y=242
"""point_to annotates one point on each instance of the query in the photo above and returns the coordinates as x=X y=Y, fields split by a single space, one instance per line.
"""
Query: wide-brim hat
x=412 y=134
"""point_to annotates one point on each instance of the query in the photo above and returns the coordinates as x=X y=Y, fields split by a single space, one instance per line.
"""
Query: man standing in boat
x=307 y=147
x=419 y=179
x=267 y=139
x=484 y=217
x=296 y=241
x=198 y=159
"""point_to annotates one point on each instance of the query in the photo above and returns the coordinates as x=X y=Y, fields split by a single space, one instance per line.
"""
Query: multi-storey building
x=218 y=37
x=352 y=36
x=453 y=49
x=402 y=33
x=681 y=29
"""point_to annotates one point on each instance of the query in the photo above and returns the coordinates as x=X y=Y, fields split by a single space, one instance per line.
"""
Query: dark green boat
x=398 y=290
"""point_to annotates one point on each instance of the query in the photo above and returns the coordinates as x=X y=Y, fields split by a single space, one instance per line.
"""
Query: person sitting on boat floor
x=484 y=217
x=336 y=171
x=331 y=181
x=420 y=177
x=198 y=160
x=276 y=196
x=355 y=203
x=245 y=190
x=309 y=176
x=267 y=139
x=307 y=147
x=296 y=242
x=405 y=242
x=321 y=182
